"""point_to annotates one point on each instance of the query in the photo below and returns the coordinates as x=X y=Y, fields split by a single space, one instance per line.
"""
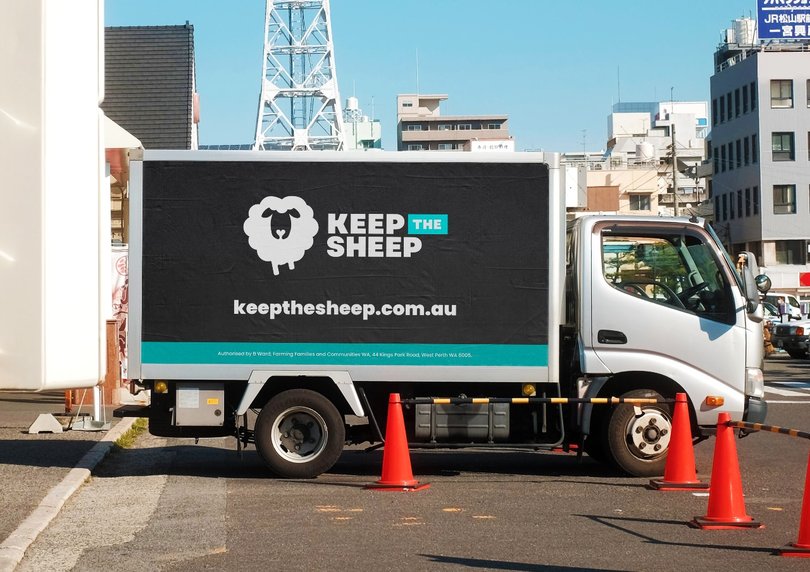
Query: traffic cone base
x=679 y=472
x=396 y=469
x=795 y=551
x=662 y=485
x=706 y=523
x=404 y=487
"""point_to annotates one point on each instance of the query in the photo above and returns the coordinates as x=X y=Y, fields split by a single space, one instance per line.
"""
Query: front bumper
x=755 y=410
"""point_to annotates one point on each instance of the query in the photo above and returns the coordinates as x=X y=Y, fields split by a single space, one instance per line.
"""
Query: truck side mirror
x=746 y=263
x=763 y=283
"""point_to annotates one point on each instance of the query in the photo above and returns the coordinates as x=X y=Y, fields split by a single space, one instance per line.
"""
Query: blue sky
x=554 y=66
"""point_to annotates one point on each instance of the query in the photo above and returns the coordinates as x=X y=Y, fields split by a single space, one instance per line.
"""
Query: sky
x=555 y=67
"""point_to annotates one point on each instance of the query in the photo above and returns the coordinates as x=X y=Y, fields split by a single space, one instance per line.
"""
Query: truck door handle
x=611 y=337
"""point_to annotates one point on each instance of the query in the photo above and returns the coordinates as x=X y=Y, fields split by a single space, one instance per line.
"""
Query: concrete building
x=359 y=131
x=760 y=97
x=641 y=134
x=421 y=127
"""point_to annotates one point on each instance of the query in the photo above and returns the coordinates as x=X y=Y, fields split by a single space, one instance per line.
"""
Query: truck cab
x=654 y=303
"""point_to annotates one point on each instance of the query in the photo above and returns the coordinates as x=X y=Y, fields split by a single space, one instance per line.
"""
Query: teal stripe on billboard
x=427 y=224
x=344 y=354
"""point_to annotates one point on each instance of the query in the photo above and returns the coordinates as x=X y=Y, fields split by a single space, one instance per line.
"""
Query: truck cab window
x=674 y=270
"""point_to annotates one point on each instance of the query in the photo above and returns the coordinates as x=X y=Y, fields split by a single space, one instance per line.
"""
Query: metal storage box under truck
x=307 y=287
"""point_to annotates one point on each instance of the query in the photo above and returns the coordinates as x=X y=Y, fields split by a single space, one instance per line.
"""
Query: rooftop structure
x=421 y=127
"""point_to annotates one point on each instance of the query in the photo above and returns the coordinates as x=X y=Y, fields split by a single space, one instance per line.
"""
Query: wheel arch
x=324 y=385
x=621 y=383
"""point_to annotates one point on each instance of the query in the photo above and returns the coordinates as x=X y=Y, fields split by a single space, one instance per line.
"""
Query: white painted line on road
x=788 y=401
x=13 y=548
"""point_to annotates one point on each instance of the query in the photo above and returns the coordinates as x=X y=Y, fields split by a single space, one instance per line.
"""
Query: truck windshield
x=677 y=270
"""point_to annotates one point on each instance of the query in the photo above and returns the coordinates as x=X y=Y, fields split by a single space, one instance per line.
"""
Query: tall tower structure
x=299 y=105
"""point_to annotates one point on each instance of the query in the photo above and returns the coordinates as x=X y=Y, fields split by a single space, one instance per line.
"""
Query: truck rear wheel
x=638 y=443
x=299 y=434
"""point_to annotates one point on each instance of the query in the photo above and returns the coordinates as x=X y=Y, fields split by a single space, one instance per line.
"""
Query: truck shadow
x=356 y=468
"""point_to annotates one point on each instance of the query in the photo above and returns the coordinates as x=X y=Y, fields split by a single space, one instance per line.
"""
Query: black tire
x=300 y=434
x=638 y=446
x=797 y=354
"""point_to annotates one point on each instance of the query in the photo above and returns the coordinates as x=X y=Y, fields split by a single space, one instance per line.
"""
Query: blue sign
x=783 y=19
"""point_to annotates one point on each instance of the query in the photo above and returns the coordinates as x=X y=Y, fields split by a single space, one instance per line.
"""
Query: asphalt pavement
x=40 y=471
x=580 y=514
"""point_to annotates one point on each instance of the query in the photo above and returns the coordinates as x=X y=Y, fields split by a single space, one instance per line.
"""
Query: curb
x=13 y=548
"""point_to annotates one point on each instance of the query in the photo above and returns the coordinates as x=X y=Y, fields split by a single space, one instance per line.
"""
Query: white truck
x=307 y=287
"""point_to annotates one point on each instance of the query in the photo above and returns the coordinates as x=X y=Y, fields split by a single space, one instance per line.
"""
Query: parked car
x=793 y=337
x=792 y=308
x=771 y=312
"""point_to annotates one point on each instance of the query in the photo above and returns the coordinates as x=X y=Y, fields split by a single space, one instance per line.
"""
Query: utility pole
x=674 y=171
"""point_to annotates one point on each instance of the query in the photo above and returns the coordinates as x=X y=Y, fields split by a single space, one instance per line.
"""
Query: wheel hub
x=650 y=432
x=299 y=434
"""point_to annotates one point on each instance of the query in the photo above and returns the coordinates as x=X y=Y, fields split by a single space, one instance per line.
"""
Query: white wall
x=51 y=164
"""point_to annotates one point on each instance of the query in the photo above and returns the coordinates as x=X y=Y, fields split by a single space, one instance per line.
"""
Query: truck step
x=132 y=411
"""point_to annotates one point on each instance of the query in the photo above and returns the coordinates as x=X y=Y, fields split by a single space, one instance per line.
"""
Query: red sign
x=804 y=278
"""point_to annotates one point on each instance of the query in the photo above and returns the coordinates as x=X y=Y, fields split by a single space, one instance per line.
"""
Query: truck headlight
x=754 y=382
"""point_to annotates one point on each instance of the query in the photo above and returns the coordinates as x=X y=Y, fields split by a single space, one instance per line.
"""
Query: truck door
x=662 y=302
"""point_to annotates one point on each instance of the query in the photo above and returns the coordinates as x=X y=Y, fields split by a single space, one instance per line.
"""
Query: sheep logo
x=281 y=230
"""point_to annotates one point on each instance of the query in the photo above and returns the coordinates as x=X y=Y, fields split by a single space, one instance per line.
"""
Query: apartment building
x=421 y=127
x=760 y=154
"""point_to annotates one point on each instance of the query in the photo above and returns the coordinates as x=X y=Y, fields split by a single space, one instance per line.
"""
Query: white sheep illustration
x=281 y=230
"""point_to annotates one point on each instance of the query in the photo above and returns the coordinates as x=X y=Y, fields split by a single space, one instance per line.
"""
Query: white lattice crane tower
x=299 y=105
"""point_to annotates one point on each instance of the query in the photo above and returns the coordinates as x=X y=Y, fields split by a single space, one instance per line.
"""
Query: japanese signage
x=783 y=19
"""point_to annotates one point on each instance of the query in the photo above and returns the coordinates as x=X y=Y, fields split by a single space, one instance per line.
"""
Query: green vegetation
x=126 y=440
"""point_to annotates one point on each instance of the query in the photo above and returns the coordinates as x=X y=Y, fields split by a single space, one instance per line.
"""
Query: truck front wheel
x=638 y=437
x=299 y=434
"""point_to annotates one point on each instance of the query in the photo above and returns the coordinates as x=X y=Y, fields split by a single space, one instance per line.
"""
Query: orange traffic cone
x=396 y=470
x=801 y=548
x=726 y=505
x=679 y=472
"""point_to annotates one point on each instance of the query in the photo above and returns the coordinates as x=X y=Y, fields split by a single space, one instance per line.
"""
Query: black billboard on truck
x=345 y=262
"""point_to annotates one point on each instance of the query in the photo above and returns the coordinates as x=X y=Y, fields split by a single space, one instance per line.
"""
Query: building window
x=728 y=106
x=716 y=159
x=722 y=109
x=447 y=146
x=790 y=251
x=639 y=202
x=414 y=127
x=415 y=147
x=464 y=126
x=745 y=98
x=407 y=104
x=739 y=203
x=717 y=207
x=731 y=205
x=493 y=126
x=731 y=155
x=753 y=96
x=754 y=149
x=784 y=199
x=748 y=202
x=781 y=93
x=445 y=127
x=747 y=151
x=782 y=146
x=737 y=102
x=725 y=207
x=739 y=153
x=755 y=196
x=723 y=158
x=714 y=111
